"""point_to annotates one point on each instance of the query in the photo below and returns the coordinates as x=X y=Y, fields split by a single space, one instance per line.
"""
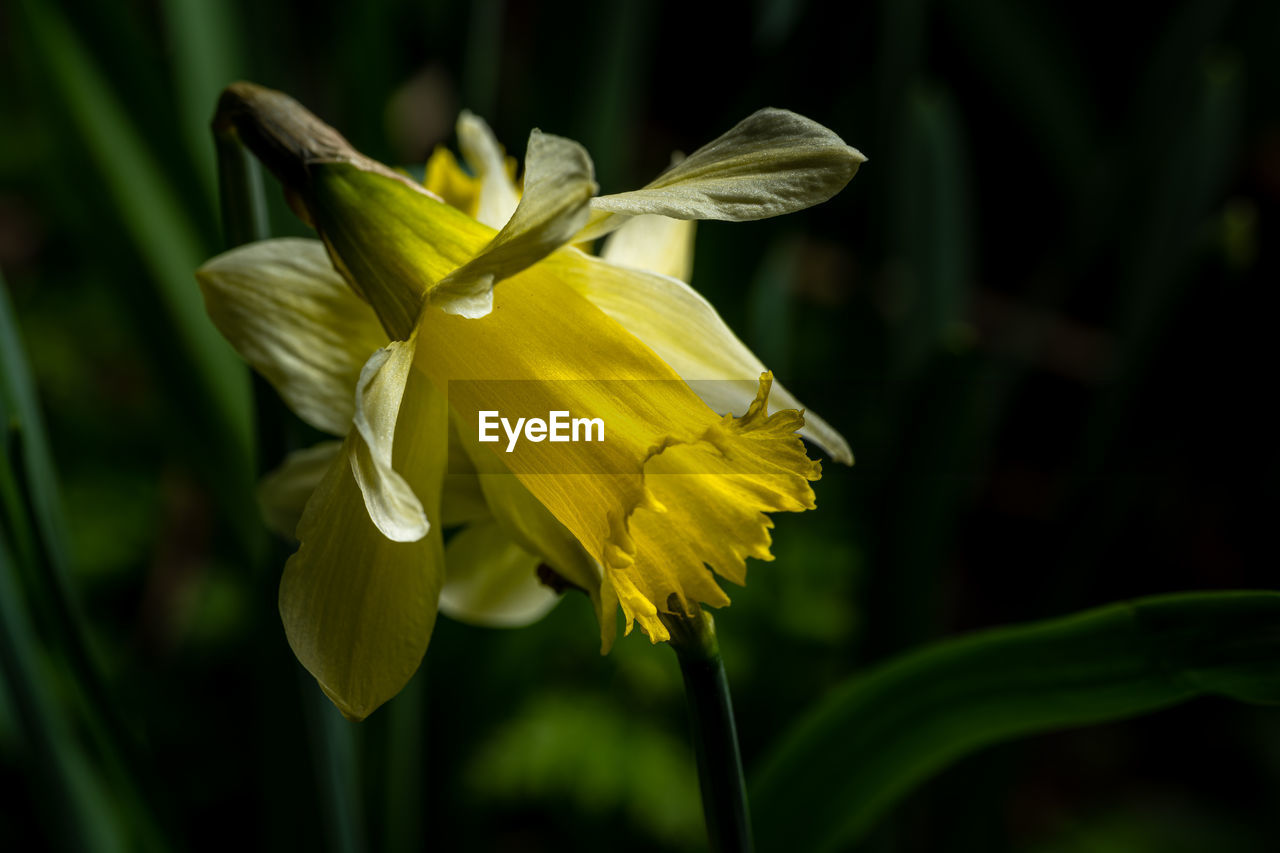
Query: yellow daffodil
x=422 y=307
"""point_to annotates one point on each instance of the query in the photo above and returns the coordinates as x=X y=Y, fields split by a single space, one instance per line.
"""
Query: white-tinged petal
x=656 y=243
x=772 y=162
x=284 y=492
x=391 y=503
x=498 y=195
x=491 y=581
x=358 y=608
x=293 y=318
x=682 y=327
x=558 y=186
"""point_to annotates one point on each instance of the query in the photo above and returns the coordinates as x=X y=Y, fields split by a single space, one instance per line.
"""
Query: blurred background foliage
x=1037 y=313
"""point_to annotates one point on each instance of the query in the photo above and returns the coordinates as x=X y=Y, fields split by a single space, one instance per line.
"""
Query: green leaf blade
x=167 y=240
x=884 y=732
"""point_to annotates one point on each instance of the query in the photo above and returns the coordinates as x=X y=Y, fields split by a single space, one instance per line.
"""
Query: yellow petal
x=772 y=162
x=492 y=581
x=678 y=324
x=546 y=348
x=285 y=310
x=463 y=500
x=497 y=197
x=358 y=609
x=558 y=187
x=658 y=244
x=393 y=507
x=445 y=178
x=284 y=492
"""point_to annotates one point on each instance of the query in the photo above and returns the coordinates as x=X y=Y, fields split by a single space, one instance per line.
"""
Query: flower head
x=422 y=307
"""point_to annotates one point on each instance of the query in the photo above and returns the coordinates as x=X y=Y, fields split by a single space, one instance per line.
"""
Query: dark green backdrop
x=1037 y=313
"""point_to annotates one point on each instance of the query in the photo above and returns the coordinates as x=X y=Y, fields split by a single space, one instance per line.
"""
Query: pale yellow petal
x=392 y=505
x=463 y=500
x=491 y=581
x=772 y=162
x=358 y=609
x=658 y=244
x=290 y=315
x=558 y=187
x=682 y=327
x=284 y=492
x=498 y=196
x=448 y=180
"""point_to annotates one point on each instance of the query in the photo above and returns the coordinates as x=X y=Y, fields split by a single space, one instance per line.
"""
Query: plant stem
x=715 y=735
x=334 y=745
x=243 y=201
x=243 y=206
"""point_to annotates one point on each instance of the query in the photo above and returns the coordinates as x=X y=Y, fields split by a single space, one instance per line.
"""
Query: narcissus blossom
x=421 y=306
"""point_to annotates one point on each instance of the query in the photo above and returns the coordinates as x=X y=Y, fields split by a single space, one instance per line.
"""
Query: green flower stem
x=715 y=735
x=243 y=204
x=334 y=746
x=240 y=191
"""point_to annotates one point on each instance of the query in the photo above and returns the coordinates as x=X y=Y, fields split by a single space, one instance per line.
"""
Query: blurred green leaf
x=24 y=443
x=90 y=797
x=484 y=45
x=1017 y=46
x=775 y=20
x=1153 y=827
x=614 y=81
x=77 y=811
x=931 y=216
x=1189 y=167
x=884 y=732
x=206 y=57
x=403 y=818
x=570 y=748
x=769 y=305
x=156 y=219
x=335 y=750
x=116 y=517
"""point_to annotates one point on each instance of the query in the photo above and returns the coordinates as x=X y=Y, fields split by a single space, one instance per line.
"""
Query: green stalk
x=404 y=780
x=243 y=200
x=334 y=748
x=715 y=735
x=243 y=214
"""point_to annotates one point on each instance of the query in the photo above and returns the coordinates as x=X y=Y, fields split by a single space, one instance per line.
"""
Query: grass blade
x=205 y=59
x=79 y=814
x=167 y=242
x=334 y=750
x=90 y=786
x=886 y=731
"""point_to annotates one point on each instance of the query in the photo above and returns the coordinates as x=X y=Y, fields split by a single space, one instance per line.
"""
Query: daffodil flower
x=421 y=306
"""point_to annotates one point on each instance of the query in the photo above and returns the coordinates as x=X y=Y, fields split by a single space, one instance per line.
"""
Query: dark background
x=1037 y=313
